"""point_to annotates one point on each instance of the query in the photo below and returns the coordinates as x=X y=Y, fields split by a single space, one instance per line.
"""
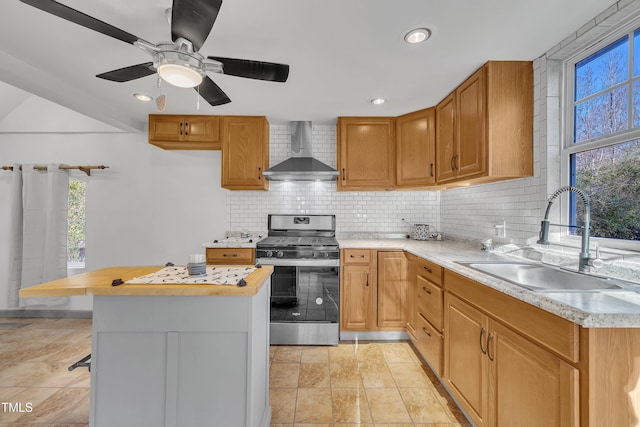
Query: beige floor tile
x=345 y=374
x=376 y=376
x=342 y=353
x=387 y=406
x=424 y=406
x=284 y=375
x=350 y=405
x=287 y=354
x=314 y=375
x=409 y=374
x=283 y=404
x=397 y=352
x=370 y=354
x=314 y=405
x=315 y=355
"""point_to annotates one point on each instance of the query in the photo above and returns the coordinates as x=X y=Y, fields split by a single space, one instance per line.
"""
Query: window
x=602 y=151
x=76 y=224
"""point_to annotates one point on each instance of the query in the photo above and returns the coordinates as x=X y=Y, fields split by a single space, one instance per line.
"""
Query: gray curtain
x=38 y=247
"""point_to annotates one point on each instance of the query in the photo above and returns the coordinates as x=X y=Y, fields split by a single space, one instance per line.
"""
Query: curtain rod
x=85 y=169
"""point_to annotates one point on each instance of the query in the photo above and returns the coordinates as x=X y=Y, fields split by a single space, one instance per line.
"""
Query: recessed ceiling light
x=142 y=97
x=378 y=101
x=417 y=36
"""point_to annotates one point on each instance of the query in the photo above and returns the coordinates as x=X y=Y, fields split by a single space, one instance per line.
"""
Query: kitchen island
x=175 y=354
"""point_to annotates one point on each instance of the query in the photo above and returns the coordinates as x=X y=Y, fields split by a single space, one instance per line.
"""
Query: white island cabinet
x=176 y=355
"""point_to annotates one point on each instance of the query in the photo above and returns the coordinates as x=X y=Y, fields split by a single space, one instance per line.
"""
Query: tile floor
x=351 y=385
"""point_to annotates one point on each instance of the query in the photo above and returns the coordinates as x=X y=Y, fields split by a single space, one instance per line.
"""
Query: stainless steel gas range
x=305 y=284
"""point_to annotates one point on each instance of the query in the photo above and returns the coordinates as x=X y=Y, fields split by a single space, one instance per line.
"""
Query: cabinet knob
x=186 y=128
x=431 y=170
x=343 y=175
x=259 y=173
x=180 y=128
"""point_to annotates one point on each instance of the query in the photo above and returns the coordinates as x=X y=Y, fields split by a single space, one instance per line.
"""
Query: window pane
x=602 y=115
x=602 y=70
x=636 y=52
x=636 y=103
x=611 y=177
x=76 y=224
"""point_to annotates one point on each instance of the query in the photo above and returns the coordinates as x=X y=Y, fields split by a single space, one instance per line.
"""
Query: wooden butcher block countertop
x=98 y=282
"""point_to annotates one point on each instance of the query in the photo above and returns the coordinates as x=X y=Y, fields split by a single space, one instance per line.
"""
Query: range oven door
x=305 y=299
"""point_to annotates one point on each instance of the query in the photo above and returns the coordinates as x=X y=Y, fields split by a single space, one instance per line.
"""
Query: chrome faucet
x=584 y=261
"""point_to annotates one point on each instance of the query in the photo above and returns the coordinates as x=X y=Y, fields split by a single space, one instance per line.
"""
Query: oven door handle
x=278 y=262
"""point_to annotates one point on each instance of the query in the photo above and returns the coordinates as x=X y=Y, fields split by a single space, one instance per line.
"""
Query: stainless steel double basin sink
x=543 y=278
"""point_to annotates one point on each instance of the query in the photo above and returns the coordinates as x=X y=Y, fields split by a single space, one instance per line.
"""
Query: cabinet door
x=415 y=149
x=471 y=126
x=165 y=127
x=445 y=139
x=531 y=387
x=201 y=129
x=393 y=285
x=366 y=153
x=466 y=370
x=244 y=153
x=356 y=298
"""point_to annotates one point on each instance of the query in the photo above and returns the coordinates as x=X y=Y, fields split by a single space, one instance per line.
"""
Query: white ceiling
x=342 y=53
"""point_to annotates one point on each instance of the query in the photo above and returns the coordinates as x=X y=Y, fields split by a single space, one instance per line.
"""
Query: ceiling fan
x=178 y=62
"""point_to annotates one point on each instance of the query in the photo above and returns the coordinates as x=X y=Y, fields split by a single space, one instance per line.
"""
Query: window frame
x=567 y=123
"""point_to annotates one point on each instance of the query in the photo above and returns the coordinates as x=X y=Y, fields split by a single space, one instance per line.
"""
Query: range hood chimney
x=301 y=166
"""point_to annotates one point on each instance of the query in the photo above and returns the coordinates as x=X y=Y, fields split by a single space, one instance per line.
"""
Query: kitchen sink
x=543 y=278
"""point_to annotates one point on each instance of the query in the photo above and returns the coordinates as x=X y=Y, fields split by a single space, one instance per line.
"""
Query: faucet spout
x=543 y=237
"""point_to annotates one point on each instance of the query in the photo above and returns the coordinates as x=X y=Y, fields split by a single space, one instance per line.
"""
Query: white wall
x=151 y=206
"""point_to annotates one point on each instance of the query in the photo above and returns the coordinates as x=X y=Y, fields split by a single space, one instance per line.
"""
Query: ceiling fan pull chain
x=198 y=100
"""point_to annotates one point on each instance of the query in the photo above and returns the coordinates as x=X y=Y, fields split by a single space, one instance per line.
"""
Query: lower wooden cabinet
x=393 y=289
x=373 y=294
x=500 y=378
x=231 y=256
x=357 y=303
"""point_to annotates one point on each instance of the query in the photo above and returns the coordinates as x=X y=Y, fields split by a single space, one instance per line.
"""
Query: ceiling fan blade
x=126 y=74
x=65 y=12
x=192 y=20
x=212 y=93
x=254 y=69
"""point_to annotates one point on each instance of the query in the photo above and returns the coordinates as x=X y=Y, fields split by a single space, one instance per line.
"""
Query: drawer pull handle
x=482 y=332
x=489 y=338
x=356 y=256
x=426 y=332
x=427 y=268
x=426 y=290
x=230 y=255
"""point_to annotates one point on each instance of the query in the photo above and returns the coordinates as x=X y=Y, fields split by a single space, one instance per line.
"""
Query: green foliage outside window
x=76 y=223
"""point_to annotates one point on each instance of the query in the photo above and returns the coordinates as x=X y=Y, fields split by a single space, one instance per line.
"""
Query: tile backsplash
x=367 y=211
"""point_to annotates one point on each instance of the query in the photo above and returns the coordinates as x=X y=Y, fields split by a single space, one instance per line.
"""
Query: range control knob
x=315 y=254
x=279 y=254
x=269 y=254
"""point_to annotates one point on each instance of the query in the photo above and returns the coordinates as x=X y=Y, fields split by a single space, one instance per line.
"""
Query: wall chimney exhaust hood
x=301 y=166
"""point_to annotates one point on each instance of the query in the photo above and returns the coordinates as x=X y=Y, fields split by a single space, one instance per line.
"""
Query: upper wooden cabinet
x=484 y=129
x=173 y=132
x=416 y=149
x=366 y=153
x=245 y=152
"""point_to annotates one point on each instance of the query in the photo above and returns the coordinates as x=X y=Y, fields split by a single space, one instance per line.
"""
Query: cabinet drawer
x=230 y=256
x=356 y=256
x=429 y=298
x=429 y=344
x=430 y=271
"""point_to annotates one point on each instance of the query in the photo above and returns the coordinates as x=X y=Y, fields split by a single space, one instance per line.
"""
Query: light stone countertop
x=619 y=309
x=233 y=242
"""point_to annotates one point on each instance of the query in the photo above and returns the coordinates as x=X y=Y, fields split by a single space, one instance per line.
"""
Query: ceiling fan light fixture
x=417 y=35
x=180 y=75
x=179 y=68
